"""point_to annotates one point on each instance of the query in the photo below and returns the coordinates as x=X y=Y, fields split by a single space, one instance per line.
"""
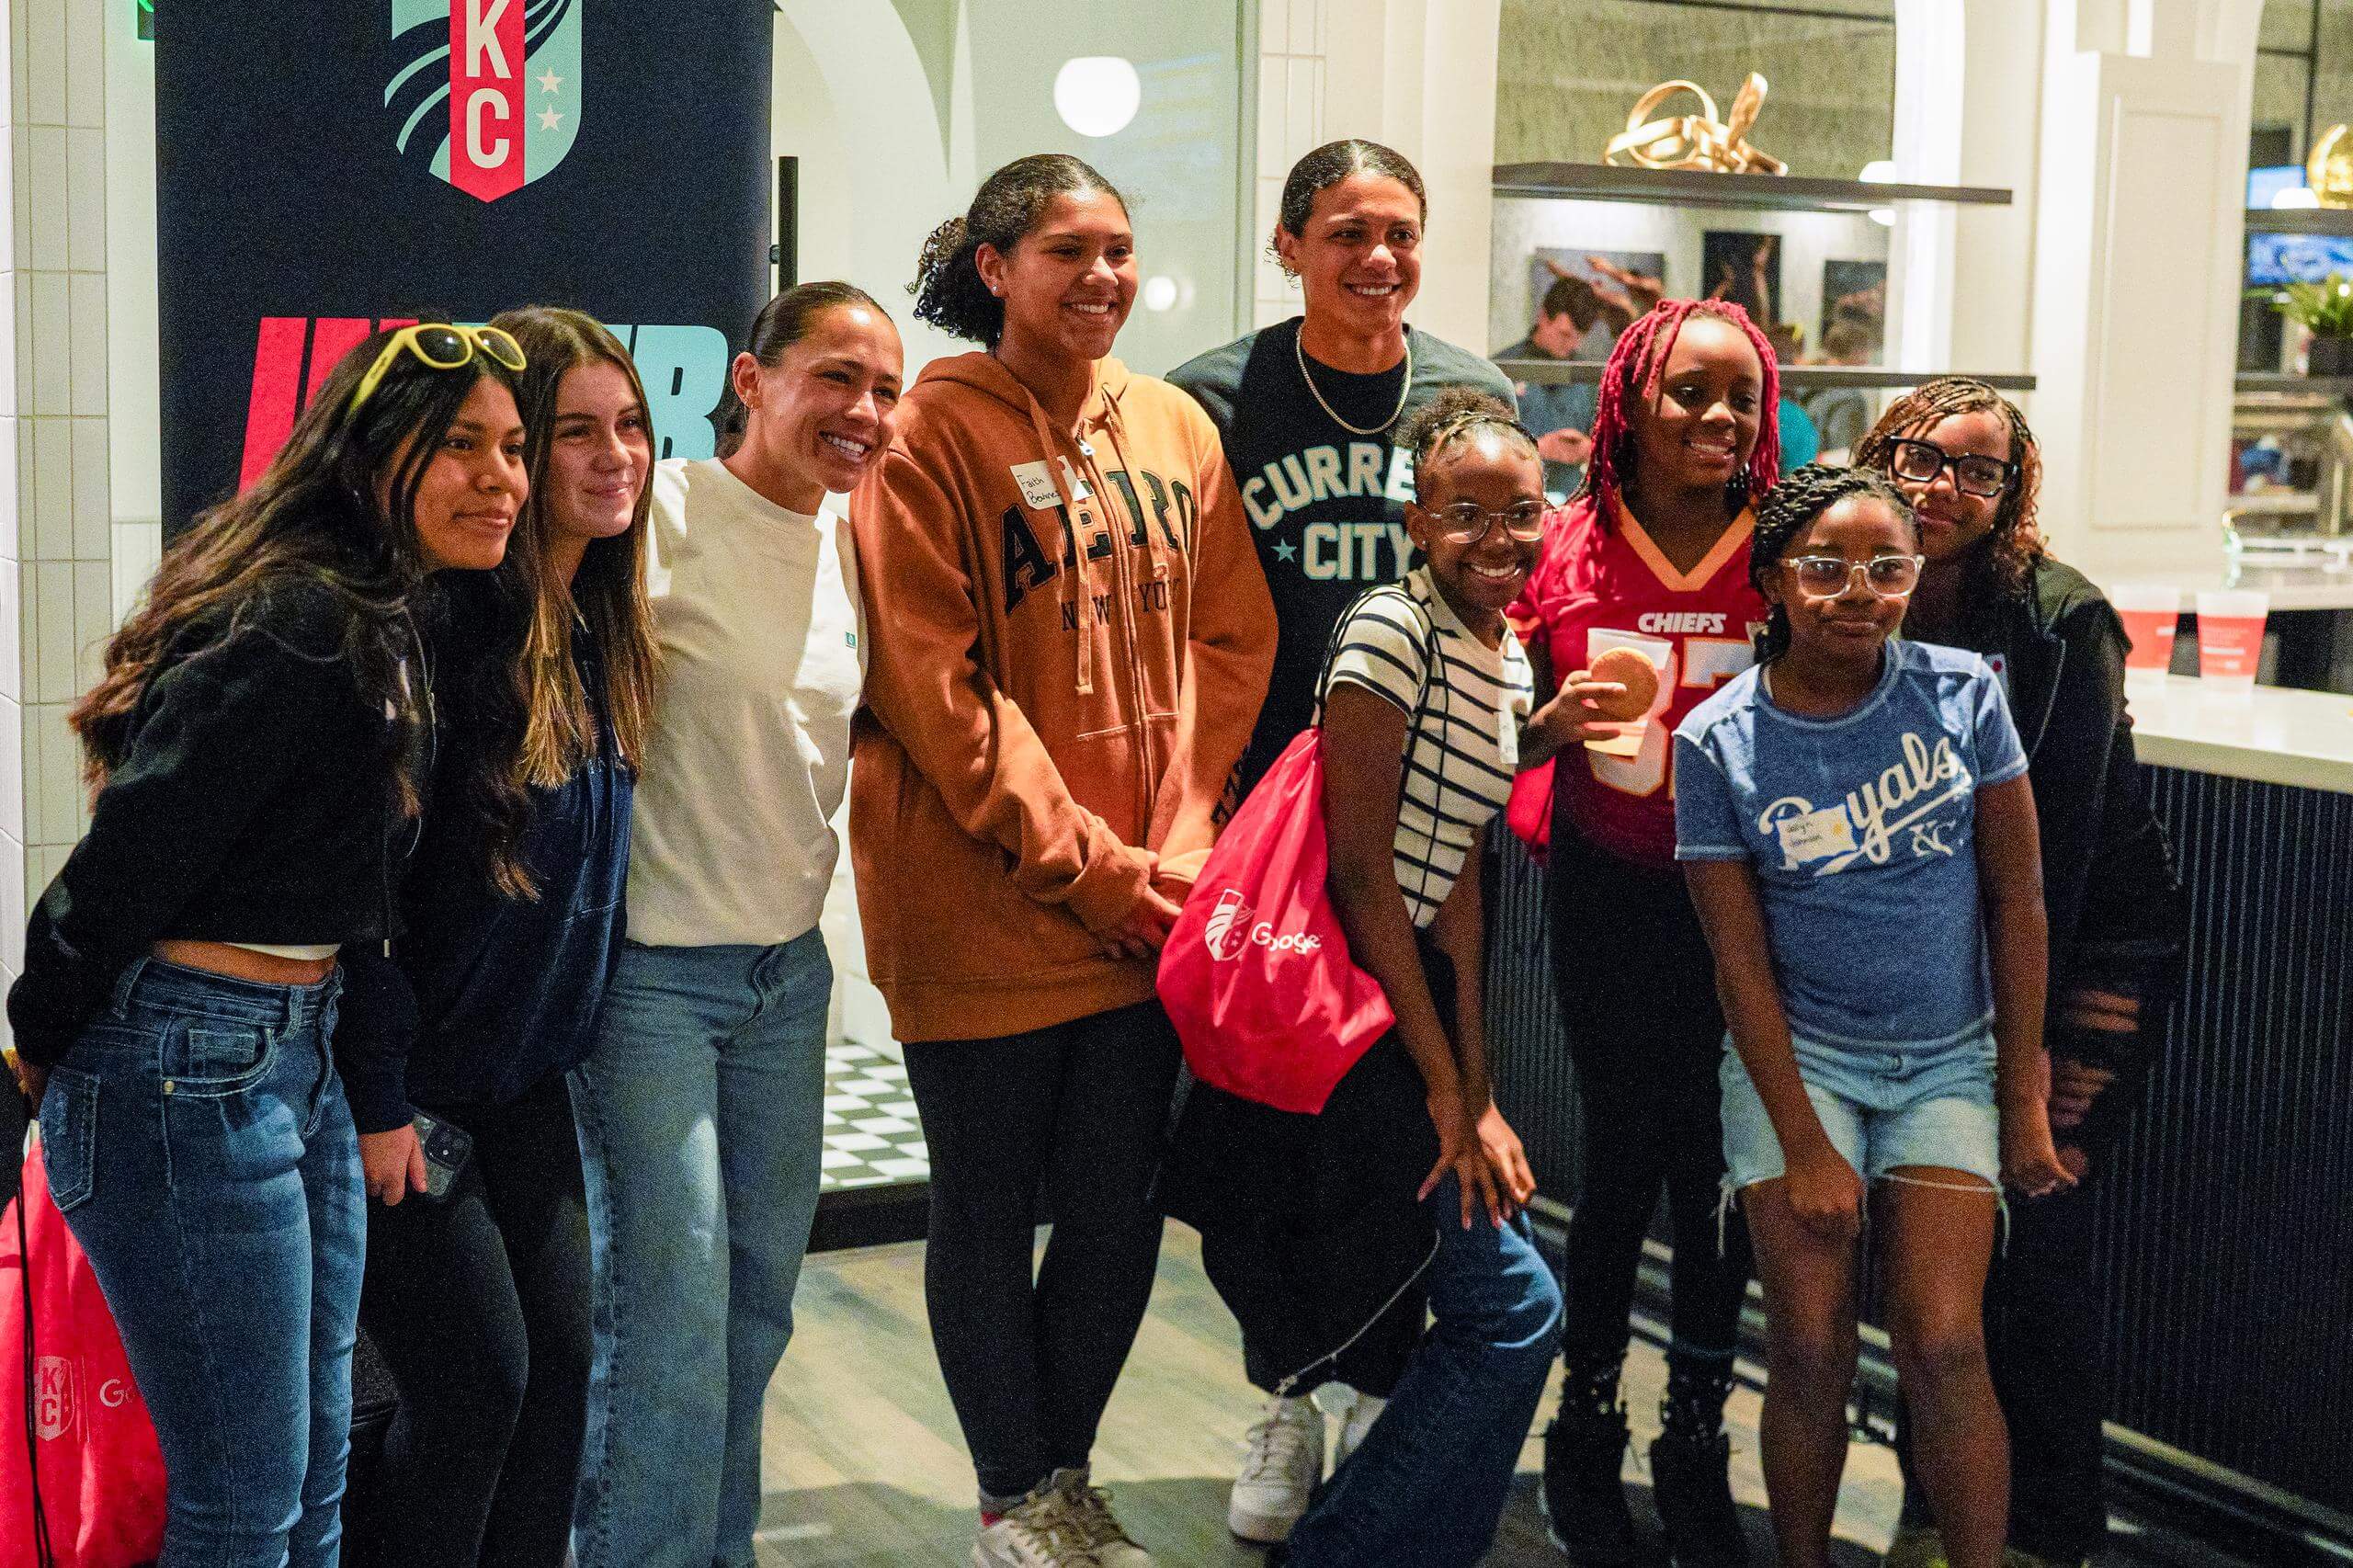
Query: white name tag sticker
x=1037 y=482
x=1079 y=489
x=1816 y=836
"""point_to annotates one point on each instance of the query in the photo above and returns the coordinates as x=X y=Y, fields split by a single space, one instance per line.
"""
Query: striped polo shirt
x=1463 y=710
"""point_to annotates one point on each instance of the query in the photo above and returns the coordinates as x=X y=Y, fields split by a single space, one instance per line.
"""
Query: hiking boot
x=1690 y=1481
x=1585 y=1511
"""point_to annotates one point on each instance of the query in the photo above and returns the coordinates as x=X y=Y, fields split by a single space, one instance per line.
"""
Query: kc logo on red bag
x=1234 y=926
x=57 y=1404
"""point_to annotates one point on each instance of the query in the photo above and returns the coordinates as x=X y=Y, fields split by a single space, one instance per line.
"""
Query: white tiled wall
x=1290 y=125
x=58 y=539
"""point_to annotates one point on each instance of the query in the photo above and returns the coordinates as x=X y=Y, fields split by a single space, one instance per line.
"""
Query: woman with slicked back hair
x=1071 y=640
x=1652 y=555
x=702 y=1100
x=1311 y=413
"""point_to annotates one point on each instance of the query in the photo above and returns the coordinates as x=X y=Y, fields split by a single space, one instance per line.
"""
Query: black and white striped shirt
x=1463 y=719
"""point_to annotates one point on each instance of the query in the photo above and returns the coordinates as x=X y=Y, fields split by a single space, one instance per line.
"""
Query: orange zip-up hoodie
x=1071 y=638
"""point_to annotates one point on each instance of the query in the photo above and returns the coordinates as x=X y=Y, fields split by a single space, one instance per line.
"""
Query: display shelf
x=2300 y=220
x=1705 y=188
x=1797 y=378
x=2281 y=381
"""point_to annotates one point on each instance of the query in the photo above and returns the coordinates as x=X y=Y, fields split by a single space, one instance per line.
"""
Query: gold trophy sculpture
x=1696 y=141
x=2329 y=170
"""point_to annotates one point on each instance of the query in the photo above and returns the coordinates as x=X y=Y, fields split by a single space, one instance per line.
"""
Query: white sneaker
x=1362 y=1413
x=1038 y=1533
x=1092 y=1523
x=1284 y=1463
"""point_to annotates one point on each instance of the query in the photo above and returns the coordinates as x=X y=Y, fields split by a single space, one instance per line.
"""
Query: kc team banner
x=325 y=170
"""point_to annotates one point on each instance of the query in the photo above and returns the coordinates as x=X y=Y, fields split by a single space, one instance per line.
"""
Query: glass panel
x=1568 y=71
x=2287 y=24
x=2279 y=103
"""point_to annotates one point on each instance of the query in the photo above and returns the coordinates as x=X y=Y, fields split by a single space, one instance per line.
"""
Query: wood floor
x=864 y=1466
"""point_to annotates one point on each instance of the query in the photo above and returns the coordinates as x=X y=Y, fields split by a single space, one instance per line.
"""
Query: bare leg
x=1810 y=1316
x=1939 y=1231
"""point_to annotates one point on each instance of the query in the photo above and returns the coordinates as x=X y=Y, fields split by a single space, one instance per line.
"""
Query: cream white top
x=763 y=657
x=2272 y=734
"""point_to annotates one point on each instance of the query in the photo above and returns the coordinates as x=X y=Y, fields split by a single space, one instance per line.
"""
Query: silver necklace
x=1299 y=349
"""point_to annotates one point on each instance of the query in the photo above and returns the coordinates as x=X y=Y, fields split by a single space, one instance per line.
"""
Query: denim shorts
x=1884 y=1106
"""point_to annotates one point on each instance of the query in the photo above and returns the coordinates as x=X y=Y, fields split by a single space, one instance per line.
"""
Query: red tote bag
x=1256 y=975
x=101 y=1473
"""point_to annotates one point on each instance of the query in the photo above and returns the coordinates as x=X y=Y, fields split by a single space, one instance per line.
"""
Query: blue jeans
x=198 y=1143
x=700 y=1117
x=1427 y=1484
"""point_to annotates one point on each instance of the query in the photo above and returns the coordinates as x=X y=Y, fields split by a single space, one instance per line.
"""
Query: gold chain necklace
x=1298 y=350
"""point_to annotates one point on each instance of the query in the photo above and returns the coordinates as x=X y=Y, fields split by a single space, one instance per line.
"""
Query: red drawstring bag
x=1529 y=811
x=101 y=1492
x=1256 y=974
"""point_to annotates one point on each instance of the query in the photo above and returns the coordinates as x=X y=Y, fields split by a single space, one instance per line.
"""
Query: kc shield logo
x=57 y=1397
x=486 y=93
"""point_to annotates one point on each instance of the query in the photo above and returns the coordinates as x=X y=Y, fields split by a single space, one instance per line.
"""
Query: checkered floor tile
x=871 y=1133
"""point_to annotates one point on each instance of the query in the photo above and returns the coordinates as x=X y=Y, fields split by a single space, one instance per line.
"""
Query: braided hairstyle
x=1456 y=414
x=2016 y=542
x=1637 y=364
x=948 y=288
x=1788 y=511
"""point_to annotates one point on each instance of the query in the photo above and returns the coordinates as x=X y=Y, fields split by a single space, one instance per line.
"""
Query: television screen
x=2263 y=184
x=2297 y=259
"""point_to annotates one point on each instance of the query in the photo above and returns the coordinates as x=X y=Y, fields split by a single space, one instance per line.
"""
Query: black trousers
x=1638 y=997
x=1077 y=1111
x=479 y=1306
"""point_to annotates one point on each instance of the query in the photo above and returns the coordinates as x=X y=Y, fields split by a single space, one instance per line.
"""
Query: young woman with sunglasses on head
x=703 y=1101
x=1963 y=456
x=1652 y=555
x=477 y=1292
x=1072 y=637
x=1881 y=960
x=1310 y=413
x=258 y=746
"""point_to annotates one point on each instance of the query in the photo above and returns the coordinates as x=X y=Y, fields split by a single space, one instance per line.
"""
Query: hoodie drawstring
x=1074 y=594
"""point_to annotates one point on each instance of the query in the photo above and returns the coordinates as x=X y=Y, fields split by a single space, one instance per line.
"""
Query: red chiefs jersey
x=1594 y=588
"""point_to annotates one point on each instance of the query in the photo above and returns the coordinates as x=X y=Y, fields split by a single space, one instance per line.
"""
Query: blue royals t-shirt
x=1861 y=829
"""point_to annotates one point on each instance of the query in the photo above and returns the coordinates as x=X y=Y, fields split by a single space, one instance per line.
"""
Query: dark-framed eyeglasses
x=1827 y=576
x=1973 y=473
x=1466 y=522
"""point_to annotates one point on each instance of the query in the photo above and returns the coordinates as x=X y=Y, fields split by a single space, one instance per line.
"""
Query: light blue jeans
x=197 y=1142
x=700 y=1118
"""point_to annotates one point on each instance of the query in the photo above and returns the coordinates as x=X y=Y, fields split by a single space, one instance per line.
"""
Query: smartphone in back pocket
x=447 y=1150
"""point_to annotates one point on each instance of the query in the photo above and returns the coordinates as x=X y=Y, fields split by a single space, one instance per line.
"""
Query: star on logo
x=1285 y=551
x=551 y=119
x=551 y=82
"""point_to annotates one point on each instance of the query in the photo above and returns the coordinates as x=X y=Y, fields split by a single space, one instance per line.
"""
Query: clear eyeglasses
x=1466 y=522
x=1827 y=576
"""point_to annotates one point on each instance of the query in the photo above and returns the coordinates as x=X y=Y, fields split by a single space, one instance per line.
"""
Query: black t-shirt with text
x=1326 y=506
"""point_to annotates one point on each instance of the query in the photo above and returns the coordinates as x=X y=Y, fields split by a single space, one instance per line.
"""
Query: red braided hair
x=1637 y=362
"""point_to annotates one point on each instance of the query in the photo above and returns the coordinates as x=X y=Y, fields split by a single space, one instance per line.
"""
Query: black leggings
x=1637 y=990
x=1077 y=1111
x=480 y=1307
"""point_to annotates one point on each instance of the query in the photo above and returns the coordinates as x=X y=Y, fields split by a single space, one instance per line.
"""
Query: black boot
x=1689 y=1483
x=1584 y=1501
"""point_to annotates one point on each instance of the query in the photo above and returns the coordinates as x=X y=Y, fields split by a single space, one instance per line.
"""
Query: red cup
x=2150 y=612
x=2230 y=635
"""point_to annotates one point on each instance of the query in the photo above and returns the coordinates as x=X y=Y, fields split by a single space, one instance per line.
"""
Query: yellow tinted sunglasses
x=442 y=348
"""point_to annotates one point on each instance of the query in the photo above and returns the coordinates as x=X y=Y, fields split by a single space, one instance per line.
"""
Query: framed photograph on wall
x=1744 y=268
x=1854 y=312
x=1604 y=271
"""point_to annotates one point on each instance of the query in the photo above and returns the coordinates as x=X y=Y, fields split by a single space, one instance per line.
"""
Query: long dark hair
x=948 y=288
x=2016 y=544
x=782 y=322
x=1326 y=166
x=1786 y=511
x=607 y=592
x=313 y=520
x=1630 y=379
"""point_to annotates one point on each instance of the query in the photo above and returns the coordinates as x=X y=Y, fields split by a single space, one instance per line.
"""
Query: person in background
x=1652 y=555
x=478 y=1296
x=1964 y=456
x=702 y=1100
x=258 y=749
x=1570 y=325
x=1800 y=442
x=1072 y=637
x=1309 y=411
x=1881 y=962
x=1842 y=415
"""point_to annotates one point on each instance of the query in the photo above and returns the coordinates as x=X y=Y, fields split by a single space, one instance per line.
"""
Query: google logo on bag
x=1233 y=926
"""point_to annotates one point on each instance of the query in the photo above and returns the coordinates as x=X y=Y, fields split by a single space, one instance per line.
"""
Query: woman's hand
x=1571 y=717
x=1507 y=1160
x=2030 y=1162
x=1567 y=445
x=1146 y=928
x=392 y=1163
x=1825 y=1194
x=1459 y=1152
